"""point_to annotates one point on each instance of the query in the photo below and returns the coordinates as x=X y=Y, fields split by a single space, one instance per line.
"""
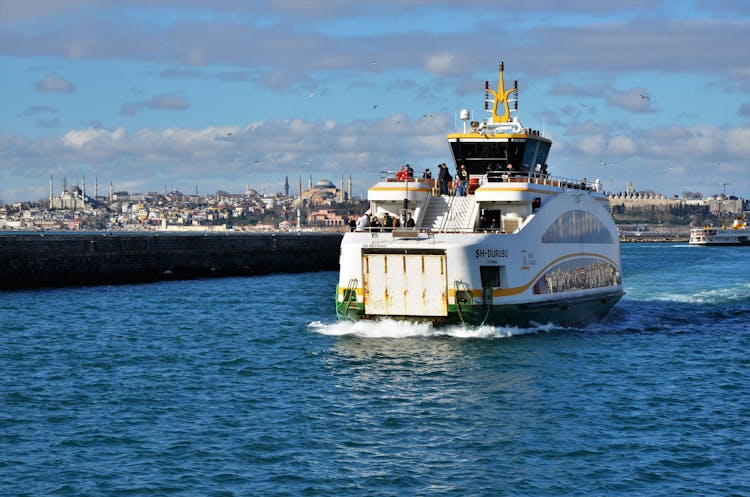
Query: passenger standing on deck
x=409 y=220
x=458 y=190
x=409 y=172
x=427 y=174
x=375 y=224
x=443 y=179
x=387 y=223
x=364 y=222
x=463 y=179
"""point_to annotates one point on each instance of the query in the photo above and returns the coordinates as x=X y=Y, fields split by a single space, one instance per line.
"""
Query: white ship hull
x=559 y=264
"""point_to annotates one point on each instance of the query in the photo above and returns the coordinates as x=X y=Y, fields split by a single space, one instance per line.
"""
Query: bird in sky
x=375 y=106
x=644 y=97
x=428 y=116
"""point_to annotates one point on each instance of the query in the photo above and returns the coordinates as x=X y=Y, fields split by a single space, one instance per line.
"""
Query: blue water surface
x=249 y=386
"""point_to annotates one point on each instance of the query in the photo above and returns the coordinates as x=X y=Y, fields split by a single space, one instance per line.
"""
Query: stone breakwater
x=32 y=260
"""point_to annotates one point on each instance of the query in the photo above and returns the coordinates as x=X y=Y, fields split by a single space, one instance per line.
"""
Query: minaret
x=286 y=186
x=299 y=186
x=50 y=190
x=65 y=184
x=341 y=194
x=83 y=190
x=350 y=188
x=110 y=192
x=96 y=186
x=309 y=183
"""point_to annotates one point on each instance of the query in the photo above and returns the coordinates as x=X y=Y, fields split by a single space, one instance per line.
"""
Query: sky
x=188 y=95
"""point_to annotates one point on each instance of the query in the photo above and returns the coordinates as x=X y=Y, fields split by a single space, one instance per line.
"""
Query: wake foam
x=388 y=328
x=735 y=294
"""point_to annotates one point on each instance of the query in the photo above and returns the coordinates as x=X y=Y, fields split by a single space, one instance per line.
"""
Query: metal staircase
x=447 y=213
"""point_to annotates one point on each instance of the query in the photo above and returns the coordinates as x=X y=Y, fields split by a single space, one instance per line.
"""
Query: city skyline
x=147 y=94
x=57 y=186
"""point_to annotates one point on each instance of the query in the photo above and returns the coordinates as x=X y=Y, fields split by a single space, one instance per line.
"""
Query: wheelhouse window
x=542 y=153
x=577 y=227
x=483 y=156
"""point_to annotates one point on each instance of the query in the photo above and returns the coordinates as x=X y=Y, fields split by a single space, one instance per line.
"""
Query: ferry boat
x=737 y=234
x=521 y=248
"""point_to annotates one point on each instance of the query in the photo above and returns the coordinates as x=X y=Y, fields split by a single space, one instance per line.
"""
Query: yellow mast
x=501 y=97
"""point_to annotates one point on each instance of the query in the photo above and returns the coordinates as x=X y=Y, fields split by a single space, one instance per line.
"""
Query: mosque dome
x=324 y=184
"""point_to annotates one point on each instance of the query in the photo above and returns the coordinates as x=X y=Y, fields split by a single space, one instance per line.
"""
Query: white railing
x=536 y=178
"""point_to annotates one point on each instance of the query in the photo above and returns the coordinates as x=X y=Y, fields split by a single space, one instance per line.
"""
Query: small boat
x=520 y=247
x=736 y=234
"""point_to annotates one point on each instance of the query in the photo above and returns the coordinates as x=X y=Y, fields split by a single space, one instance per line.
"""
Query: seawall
x=32 y=260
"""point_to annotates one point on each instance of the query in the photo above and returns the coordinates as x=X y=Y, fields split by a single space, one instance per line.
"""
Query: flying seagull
x=644 y=97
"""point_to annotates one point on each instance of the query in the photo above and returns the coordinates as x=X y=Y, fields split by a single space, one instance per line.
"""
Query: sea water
x=249 y=386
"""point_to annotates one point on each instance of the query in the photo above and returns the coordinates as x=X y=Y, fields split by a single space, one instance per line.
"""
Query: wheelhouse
x=480 y=155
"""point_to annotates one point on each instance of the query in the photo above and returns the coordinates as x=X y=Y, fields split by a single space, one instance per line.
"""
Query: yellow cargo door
x=405 y=284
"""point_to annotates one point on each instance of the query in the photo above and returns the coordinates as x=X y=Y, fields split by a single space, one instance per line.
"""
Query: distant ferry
x=737 y=234
x=521 y=248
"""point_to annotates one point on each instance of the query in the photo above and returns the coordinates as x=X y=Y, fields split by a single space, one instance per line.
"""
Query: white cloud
x=78 y=139
x=635 y=100
x=441 y=64
x=592 y=145
x=52 y=83
x=738 y=142
x=166 y=101
x=621 y=145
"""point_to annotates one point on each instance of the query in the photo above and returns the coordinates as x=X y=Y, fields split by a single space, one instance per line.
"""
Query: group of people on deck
x=405 y=173
x=445 y=181
x=389 y=223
